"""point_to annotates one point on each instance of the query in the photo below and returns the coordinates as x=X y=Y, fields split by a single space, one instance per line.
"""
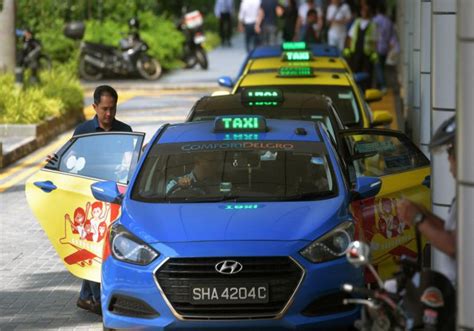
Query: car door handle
x=46 y=186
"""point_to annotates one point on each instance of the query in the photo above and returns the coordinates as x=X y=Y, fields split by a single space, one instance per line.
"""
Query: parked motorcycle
x=32 y=57
x=191 y=25
x=415 y=299
x=96 y=60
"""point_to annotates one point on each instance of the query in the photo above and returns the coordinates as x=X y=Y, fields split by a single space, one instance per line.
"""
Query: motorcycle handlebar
x=349 y=288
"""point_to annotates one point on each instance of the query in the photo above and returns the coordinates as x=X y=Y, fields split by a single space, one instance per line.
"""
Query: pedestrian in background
x=311 y=33
x=223 y=10
x=290 y=15
x=267 y=21
x=337 y=17
x=385 y=32
x=362 y=44
x=300 y=27
x=248 y=13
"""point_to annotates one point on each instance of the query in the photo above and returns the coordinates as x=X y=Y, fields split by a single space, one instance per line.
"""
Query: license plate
x=204 y=294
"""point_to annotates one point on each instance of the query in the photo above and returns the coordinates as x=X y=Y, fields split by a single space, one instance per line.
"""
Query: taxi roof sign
x=294 y=46
x=292 y=72
x=297 y=56
x=240 y=123
x=262 y=94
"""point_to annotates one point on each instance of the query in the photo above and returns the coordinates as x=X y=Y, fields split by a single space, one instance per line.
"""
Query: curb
x=41 y=134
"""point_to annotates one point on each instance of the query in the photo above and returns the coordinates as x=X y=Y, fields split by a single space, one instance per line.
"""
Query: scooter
x=96 y=60
x=416 y=299
x=191 y=25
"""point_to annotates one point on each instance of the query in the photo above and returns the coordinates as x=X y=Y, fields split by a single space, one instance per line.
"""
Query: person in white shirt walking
x=337 y=17
x=248 y=14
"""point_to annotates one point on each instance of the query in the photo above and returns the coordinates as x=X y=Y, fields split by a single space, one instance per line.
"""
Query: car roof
x=317 y=50
x=279 y=130
x=271 y=78
x=318 y=63
x=290 y=101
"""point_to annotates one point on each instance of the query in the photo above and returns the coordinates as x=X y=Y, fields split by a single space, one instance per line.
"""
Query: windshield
x=235 y=171
x=342 y=97
x=275 y=112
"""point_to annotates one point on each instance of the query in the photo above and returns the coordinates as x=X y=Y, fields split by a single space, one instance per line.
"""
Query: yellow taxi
x=339 y=86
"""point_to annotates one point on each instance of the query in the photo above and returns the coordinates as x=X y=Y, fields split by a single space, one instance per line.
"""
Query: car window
x=343 y=98
x=102 y=156
x=384 y=154
x=237 y=170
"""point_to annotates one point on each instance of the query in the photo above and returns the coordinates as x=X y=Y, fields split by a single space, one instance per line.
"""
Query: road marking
x=33 y=159
x=15 y=180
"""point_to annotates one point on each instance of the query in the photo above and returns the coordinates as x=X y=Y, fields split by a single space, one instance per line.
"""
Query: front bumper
x=320 y=280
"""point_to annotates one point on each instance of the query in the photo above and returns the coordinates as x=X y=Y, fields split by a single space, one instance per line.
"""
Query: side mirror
x=366 y=187
x=372 y=95
x=225 y=81
x=358 y=254
x=219 y=93
x=360 y=77
x=382 y=117
x=107 y=191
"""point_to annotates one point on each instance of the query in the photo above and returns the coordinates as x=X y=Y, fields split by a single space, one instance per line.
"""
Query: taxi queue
x=243 y=213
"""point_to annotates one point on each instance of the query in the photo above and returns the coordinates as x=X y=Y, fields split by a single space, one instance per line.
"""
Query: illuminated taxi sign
x=294 y=46
x=241 y=123
x=262 y=95
x=295 y=72
x=297 y=56
x=262 y=103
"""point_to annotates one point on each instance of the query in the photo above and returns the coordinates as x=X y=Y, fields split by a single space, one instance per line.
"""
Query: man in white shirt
x=300 y=27
x=248 y=13
x=337 y=17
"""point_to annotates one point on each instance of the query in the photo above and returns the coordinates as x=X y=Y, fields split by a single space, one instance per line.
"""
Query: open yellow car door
x=404 y=172
x=61 y=198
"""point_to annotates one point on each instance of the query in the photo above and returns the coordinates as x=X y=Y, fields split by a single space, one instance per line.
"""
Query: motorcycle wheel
x=190 y=62
x=44 y=62
x=148 y=67
x=88 y=71
x=202 y=58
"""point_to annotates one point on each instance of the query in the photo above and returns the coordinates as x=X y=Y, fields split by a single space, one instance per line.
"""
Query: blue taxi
x=241 y=222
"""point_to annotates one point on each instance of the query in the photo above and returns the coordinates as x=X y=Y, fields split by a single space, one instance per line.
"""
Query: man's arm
x=432 y=226
x=258 y=23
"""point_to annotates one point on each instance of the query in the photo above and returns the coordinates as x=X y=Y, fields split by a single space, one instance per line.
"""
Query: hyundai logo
x=229 y=267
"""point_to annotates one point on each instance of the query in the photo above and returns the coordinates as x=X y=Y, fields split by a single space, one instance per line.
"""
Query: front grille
x=282 y=275
x=128 y=306
x=328 y=304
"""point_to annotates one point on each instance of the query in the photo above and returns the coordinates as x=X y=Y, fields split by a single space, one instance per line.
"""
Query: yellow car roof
x=327 y=63
x=271 y=78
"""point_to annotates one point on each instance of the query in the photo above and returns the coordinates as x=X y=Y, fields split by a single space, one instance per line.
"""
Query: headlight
x=330 y=246
x=128 y=248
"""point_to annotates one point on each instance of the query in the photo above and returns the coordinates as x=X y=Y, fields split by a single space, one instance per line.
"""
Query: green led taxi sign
x=262 y=103
x=240 y=123
x=294 y=46
x=292 y=72
x=297 y=56
x=262 y=95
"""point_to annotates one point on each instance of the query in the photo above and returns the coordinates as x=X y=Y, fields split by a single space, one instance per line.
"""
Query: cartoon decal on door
x=86 y=230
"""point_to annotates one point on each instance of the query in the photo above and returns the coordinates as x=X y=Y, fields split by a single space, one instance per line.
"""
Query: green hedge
x=59 y=92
